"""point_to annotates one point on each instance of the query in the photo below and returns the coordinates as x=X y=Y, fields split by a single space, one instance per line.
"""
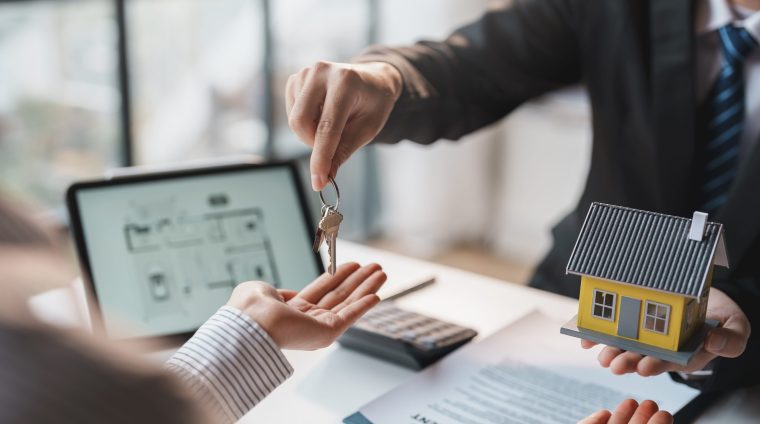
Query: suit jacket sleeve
x=515 y=51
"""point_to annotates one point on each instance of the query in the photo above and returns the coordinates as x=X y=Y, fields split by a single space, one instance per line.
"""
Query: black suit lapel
x=673 y=99
x=741 y=212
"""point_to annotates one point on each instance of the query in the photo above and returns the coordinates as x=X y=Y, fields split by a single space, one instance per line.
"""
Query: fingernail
x=716 y=342
x=317 y=182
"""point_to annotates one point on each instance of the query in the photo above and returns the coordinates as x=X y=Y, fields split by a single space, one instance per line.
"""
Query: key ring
x=337 y=199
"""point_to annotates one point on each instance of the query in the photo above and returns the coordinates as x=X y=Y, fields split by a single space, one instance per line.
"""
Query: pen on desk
x=419 y=286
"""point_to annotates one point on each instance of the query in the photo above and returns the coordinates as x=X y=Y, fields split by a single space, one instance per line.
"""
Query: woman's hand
x=314 y=317
x=630 y=412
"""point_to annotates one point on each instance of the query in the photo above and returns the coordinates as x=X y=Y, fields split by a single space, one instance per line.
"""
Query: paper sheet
x=525 y=373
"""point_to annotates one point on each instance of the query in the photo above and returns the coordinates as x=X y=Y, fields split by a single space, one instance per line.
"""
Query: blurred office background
x=88 y=85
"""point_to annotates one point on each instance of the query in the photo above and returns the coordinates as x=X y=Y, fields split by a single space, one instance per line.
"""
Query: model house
x=645 y=278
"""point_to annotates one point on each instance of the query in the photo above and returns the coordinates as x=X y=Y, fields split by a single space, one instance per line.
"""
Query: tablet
x=161 y=252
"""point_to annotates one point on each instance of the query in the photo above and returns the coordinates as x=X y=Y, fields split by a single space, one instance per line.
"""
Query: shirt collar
x=713 y=14
x=752 y=24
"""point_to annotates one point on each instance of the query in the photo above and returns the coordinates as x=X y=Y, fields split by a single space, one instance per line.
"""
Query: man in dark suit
x=672 y=84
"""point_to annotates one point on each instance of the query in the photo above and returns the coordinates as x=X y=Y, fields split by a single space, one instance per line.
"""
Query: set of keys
x=327 y=230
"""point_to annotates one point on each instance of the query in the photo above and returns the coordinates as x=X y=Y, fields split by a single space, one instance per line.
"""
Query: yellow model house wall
x=670 y=341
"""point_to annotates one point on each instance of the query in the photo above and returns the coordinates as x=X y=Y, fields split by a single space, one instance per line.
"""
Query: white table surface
x=332 y=383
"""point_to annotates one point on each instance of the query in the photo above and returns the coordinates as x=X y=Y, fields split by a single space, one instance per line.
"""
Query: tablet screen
x=165 y=254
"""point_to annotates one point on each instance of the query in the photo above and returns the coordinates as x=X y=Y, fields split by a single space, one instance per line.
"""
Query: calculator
x=403 y=337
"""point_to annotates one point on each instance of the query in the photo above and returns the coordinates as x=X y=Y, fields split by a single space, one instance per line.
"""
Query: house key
x=328 y=227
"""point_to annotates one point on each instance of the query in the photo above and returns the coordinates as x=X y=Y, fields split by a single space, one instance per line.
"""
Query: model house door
x=628 y=319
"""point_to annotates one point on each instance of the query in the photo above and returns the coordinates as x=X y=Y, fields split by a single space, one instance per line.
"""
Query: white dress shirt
x=711 y=15
x=230 y=364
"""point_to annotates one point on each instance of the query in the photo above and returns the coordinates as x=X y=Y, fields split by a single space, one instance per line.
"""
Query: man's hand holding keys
x=337 y=108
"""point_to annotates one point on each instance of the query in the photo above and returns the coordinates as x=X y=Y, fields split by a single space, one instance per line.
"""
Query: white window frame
x=612 y=307
x=657 y=305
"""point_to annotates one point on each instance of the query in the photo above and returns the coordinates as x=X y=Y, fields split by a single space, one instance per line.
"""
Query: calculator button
x=428 y=342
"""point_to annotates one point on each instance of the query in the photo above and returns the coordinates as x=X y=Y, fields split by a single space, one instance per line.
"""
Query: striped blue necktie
x=722 y=120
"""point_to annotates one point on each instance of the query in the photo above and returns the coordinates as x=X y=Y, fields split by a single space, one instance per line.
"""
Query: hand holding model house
x=646 y=292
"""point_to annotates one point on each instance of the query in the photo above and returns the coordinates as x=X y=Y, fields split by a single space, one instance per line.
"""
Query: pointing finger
x=332 y=122
x=307 y=107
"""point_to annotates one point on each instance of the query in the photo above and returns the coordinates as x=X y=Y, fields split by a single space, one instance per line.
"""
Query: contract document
x=525 y=373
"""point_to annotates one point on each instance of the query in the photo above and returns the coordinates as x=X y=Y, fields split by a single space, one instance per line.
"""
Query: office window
x=657 y=317
x=190 y=79
x=303 y=32
x=59 y=98
x=604 y=305
x=200 y=90
x=197 y=82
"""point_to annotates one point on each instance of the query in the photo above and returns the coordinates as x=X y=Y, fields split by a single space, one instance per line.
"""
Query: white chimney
x=698 y=224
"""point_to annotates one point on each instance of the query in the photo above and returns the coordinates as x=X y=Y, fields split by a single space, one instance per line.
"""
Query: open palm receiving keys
x=314 y=317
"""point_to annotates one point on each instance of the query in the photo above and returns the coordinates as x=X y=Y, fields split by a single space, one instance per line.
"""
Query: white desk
x=332 y=383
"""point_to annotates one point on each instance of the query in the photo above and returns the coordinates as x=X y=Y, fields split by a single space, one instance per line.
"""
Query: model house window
x=604 y=305
x=657 y=317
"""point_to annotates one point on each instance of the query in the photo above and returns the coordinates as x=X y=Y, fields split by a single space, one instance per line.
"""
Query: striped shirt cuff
x=230 y=363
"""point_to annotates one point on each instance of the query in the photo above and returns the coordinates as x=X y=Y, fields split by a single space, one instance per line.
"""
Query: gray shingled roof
x=646 y=249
